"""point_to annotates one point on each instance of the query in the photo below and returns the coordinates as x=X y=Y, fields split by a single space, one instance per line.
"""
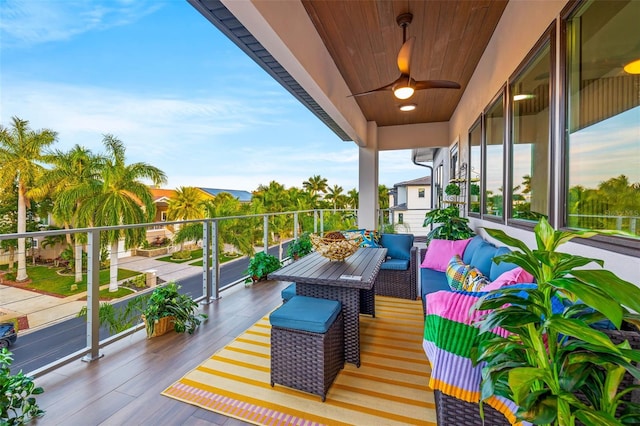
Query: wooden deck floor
x=123 y=387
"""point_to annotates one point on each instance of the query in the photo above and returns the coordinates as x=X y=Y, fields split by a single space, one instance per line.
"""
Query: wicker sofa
x=398 y=274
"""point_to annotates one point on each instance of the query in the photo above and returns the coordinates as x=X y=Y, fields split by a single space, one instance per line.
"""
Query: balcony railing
x=203 y=281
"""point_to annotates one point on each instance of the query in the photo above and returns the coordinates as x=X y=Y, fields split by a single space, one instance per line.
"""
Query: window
x=453 y=171
x=163 y=216
x=530 y=137
x=494 y=159
x=420 y=192
x=400 y=218
x=475 y=169
x=602 y=122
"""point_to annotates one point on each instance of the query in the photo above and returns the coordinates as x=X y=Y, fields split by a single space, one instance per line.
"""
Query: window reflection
x=475 y=167
x=530 y=139
x=603 y=117
x=494 y=154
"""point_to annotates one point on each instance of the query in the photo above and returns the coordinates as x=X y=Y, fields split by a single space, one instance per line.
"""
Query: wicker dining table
x=317 y=276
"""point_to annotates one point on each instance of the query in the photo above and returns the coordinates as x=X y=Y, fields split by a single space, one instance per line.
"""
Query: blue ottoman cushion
x=288 y=292
x=395 y=265
x=306 y=313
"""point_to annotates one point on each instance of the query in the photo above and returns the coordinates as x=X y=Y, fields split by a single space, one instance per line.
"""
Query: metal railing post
x=93 y=297
x=315 y=221
x=215 y=260
x=206 y=262
x=266 y=233
x=295 y=225
x=321 y=222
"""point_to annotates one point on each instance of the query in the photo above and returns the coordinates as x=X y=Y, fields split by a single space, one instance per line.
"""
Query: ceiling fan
x=404 y=86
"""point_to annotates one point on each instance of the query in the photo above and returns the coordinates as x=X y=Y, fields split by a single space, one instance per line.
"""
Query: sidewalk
x=41 y=310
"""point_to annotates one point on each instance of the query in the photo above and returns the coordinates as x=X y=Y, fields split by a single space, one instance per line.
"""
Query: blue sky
x=177 y=92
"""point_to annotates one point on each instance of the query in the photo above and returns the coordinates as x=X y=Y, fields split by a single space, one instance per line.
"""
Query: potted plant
x=17 y=402
x=452 y=226
x=168 y=309
x=117 y=319
x=261 y=265
x=300 y=247
x=452 y=189
x=554 y=364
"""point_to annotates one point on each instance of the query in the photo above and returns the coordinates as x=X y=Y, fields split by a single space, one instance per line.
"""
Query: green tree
x=74 y=178
x=274 y=198
x=383 y=197
x=21 y=155
x=316 y=185
x=123 y=199
x=335 y=196
x=186 y=204
x=353 y=198
x=231 y=231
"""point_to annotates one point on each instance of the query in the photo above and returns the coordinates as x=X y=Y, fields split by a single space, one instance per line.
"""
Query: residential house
x=409 y=202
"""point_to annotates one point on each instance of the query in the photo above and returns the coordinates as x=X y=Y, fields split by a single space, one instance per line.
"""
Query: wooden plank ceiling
x=364 y=39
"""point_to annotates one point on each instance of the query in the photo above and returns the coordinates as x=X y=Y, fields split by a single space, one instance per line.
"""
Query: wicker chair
x=400 y=284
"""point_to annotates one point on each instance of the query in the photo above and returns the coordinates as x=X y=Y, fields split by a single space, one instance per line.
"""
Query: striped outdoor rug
x=389 y=388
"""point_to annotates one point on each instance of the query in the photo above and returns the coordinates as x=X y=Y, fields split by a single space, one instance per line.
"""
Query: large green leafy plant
x=261 y=265
x=555 y=365
x=17 y=403
x=300 y=246
x=167 y=301
x=451 y=225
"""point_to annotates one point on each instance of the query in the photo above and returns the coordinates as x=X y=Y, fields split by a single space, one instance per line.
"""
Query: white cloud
x=34 y=22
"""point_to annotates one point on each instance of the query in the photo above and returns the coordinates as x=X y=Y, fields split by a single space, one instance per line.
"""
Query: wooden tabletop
x=357 y=271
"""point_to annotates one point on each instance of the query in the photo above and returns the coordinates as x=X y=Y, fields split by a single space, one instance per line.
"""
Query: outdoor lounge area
x=532 y=113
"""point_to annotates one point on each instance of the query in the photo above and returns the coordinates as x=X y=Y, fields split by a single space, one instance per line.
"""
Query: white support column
x=368 y=180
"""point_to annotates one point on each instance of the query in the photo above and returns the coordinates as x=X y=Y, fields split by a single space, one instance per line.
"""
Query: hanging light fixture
x=407 y=107
x=633 y=67
x=403 y=89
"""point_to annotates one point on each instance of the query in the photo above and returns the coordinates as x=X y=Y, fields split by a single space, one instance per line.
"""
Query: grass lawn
x=105 y=294
x=196 y=254
x=223 y=259
x=47 y=280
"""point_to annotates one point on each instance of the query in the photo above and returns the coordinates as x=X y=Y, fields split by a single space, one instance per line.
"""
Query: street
x=41 y=347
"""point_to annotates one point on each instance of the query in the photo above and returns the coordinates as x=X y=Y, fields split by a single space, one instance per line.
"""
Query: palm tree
x=335 y=195
x=21 y=154
x=231 y=231
x=74 y=178
x=315 y=185
x=123 y=199
x=272 y=199
x=186 y=204
x=352 y=198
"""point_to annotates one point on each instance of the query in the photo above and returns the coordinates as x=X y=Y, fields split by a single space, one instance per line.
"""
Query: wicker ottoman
x=307 y=344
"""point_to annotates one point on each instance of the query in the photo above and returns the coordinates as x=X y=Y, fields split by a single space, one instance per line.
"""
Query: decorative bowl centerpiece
x=336 y=245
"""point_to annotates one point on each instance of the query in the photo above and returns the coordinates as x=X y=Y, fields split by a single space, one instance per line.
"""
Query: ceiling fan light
x=403 y=92
x=407 y=107
x=633 y=67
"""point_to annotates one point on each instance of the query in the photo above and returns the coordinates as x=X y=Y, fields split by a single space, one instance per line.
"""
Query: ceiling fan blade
x=436 y=84
x=379 y=89
x=404 y=56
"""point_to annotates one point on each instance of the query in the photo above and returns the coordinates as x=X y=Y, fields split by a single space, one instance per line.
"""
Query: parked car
x=8 y=335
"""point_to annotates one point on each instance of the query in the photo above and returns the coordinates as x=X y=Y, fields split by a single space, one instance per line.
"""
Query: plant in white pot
x=555 y=365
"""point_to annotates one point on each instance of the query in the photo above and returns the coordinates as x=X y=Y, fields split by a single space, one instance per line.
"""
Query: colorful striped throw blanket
x=449 y=335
